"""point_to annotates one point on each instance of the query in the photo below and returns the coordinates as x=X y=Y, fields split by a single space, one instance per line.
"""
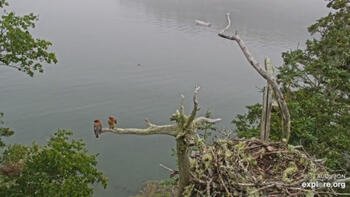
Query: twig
x=167 y=168
x=298 y=147
x=224 y=185
x=173 y=172
x=342 y=180
x=228 y=23
x=246 y=184
x=195 y=107
x=208 y=187
x=262 y=188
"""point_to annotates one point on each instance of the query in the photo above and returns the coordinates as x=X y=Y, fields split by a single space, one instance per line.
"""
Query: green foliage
x=171 y=181
x=14 y=154
x=18 y=48
x=316 y=84
x=248 y=125
x=156 y=189
x=205 y=130
x=3 y=3
x=4 y=132
x=61 y=168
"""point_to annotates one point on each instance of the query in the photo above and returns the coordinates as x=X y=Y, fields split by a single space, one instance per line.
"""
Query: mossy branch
x=195 y=107
x=183 y=122
x=151 y=130
x=184 y=130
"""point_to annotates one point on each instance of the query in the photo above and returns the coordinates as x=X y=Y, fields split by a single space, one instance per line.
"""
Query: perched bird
x=97 y=127
x=112 y=122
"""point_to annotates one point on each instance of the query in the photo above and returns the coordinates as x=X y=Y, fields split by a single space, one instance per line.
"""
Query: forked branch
x=184 y=131
x=270 y=78
x=183 y=122
x=195 y=106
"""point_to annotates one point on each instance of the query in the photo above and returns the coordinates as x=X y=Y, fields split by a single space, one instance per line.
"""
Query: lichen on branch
x=184 y=123
x=185 y=132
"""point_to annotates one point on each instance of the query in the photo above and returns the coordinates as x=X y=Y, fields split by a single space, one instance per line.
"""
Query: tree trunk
x=183 y=162
x=184 y=132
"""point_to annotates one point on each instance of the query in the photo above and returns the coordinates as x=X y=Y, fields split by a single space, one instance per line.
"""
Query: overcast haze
x=100 y=44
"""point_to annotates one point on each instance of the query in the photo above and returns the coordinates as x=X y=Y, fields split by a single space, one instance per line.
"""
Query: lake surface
x=99 y=45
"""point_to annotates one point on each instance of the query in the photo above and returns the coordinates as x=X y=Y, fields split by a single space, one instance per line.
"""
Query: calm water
x=100 y=44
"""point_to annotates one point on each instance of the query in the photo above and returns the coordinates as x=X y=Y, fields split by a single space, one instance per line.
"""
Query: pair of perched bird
x=112 y=122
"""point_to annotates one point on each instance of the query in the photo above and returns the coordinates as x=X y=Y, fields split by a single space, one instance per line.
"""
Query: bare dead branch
x=167 y=168
x=201 y=120
x=148 y=123
x=184 y=131
x=151 y=130
x=182 y=107
x=228 y=23
x=267 y=105
x=195 y=107
x=208 y=187
x=264 y=114
x=224 y=185
x=270 y=78
x=173 y=172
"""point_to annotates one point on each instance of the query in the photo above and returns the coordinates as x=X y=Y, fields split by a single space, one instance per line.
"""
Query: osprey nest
x=253 y=168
